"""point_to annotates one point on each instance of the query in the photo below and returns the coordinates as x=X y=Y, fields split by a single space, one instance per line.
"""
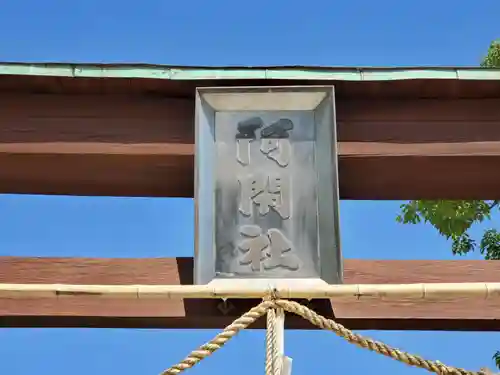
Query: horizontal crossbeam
x=438 y=311
x=112 y=145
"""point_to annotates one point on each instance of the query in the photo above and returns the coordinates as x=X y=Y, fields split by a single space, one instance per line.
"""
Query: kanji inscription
x=270 y=249
x=267 y=192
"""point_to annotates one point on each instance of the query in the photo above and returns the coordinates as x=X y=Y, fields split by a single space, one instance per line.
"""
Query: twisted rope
x=221 y=339
x=272 y=355
x=370 y=344
x=270 y=305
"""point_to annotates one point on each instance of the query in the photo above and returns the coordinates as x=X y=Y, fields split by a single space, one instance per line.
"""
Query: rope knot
x=272 y=295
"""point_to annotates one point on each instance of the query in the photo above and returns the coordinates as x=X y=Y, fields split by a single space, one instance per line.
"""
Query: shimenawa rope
x=272 y=354
x=269 y=306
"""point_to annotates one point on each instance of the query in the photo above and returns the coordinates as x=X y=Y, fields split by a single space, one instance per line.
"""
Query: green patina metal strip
x=36 y=70
x=118 y=72
x=479 y=74
x=396 y=74
x=208 y=73
x=199 y=74
x=315 y=74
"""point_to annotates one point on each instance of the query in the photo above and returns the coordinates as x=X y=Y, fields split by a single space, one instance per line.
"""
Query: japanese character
x=273 y=248
x=266 y=192
x=253 y=245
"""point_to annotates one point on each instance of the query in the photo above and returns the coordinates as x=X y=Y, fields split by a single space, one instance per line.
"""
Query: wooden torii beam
x=128 y=131
x=461 y=314
x=142 y=146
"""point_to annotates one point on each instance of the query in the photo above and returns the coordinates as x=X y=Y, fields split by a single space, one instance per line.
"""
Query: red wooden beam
x=142 y=145
x=463 y=314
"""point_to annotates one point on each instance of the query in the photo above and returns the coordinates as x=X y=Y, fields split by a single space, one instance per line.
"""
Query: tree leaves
x=490 y=245
x=453 y=219
x=450 y=218
x=492 y=59
x=496 y=358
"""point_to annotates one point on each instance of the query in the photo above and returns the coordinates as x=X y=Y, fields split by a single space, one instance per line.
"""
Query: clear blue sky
x=367 y=33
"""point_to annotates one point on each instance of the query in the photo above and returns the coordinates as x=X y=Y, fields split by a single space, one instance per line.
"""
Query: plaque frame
x=320 y=100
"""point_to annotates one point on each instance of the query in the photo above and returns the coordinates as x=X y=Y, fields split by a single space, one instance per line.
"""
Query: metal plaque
x=266 y=185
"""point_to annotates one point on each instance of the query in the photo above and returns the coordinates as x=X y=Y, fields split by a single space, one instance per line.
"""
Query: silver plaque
x=266 y=186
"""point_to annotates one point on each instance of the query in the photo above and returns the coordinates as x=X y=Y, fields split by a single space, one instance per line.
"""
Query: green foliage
x=496 y=358
x=492 y=59
x=453 y=219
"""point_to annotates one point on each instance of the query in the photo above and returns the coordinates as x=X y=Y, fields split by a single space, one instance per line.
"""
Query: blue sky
x=365 y=33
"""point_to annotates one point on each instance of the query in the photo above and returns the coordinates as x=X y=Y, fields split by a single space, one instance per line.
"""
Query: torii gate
x=129 y=129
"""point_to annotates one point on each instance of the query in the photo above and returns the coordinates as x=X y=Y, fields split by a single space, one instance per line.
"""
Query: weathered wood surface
x=87 y=311
x=143 y=146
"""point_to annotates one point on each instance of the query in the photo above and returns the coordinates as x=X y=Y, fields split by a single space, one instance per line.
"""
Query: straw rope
x=221 y=339
x=272 y=360
x=270 y=306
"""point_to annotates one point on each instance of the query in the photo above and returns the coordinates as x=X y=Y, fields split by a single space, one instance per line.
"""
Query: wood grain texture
x=366 y=313
x=142 y=145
